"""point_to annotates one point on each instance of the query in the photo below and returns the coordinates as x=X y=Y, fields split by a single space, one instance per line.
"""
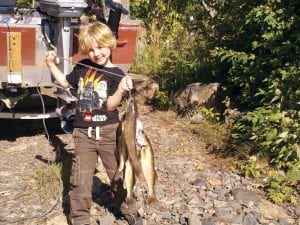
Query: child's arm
x=56 y=73
x=114 y=100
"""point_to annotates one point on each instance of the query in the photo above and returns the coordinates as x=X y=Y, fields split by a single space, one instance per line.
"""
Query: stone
x=297 y=210
x=250 y=220
x=199 y=182
x=178 y=161
x=245 y=196
x=214 y=181
x=183 y=220
x=208 y=221
x=60 y=219
x=166 y=216
x=185 y=194
x=106 y=220
x=220 y=204
x=194 y=200
x=283 y=222
x=194 y=220
x=4 y=173
x=237 y=219
x=199 y=95
x=274 y=214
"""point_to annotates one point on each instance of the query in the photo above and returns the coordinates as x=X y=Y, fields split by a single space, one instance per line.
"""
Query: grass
x=47 y=180
x=214 y=135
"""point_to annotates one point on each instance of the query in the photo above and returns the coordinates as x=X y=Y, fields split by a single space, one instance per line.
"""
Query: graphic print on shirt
x=92 y=92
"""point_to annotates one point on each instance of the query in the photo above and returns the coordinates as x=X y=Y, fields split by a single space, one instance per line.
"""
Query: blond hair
x=98 y=32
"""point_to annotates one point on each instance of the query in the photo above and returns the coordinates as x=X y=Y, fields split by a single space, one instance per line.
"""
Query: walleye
x=129 y=181
x=147 y=161
x=121 y=146
x=130 y=136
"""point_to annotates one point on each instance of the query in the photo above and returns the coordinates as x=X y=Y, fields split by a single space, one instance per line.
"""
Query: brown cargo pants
x=86 y=155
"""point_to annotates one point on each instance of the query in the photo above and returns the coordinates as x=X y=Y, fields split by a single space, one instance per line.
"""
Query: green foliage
x=275 y=133
x=282 y=188
x=265 y=65
x=171 y=53
x=261 y=60
x=161 y=100
x=210 y=114
x=251 y=167
x=47 y=180
x=251 y=47
x=213 y=134
x=24 y=3
x=197 y=114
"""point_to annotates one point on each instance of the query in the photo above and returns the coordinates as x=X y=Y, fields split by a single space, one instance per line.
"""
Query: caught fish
x=147 y=162
x=130 y=134
x=129 y=181
x=121 y=150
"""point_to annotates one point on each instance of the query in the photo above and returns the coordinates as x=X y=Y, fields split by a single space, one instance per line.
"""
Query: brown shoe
x=133 y=219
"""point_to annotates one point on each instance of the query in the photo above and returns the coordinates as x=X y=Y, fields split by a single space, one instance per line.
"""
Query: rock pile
x=190 y=190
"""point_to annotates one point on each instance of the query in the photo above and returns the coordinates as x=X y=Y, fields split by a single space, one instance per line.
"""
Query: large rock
x=244 y=196
x=145 y=90
x=199 y=95
x=271 y=211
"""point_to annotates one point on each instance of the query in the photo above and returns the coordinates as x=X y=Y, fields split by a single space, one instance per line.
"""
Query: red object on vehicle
x=126 y=43
x=28 y=43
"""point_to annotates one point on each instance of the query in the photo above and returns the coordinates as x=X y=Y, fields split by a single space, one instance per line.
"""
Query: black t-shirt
x=94 y=86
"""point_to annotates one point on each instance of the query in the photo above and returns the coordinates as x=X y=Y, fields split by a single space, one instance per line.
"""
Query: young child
x=100 y=87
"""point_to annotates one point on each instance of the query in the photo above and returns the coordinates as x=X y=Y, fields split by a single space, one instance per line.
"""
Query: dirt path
x=193 y=186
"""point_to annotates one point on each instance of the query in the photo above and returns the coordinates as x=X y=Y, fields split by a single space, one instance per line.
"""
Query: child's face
x=100 y=56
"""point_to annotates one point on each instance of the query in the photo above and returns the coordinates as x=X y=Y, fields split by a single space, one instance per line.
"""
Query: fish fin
x=151 y=199
x=129 y=201
x=121 y=164
x=137 y=170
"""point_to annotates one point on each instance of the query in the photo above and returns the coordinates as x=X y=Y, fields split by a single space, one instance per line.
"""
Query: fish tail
x=121 y=164
x=151 y=199
x=130 y=201
x=137 y=169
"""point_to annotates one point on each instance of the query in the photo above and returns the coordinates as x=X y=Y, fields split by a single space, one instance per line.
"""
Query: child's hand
x=50 y=57
x=125 y=85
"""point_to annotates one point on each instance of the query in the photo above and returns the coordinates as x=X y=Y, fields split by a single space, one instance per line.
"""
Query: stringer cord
x=43 y=106
x=91 y=67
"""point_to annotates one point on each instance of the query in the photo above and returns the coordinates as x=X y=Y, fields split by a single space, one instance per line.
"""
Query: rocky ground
x=193 y=186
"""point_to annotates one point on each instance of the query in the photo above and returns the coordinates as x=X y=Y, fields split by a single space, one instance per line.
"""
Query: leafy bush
x=213 y=134
x=251 y=167
x=171 y=53
x=282 y=188
x=251 y=47
x=24 y=3
x=264 y=68
x=162 y=101
x=275 y=133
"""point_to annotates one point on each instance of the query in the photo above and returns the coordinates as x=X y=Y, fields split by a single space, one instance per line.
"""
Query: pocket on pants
x=75 y=172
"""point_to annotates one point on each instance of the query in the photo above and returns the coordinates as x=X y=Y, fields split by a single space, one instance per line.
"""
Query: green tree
x=24 y=3
x=263 y=63
x=252 y=47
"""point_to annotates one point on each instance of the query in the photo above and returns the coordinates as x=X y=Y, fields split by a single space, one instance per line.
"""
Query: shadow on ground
x=11 y=129
x=64 y=158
